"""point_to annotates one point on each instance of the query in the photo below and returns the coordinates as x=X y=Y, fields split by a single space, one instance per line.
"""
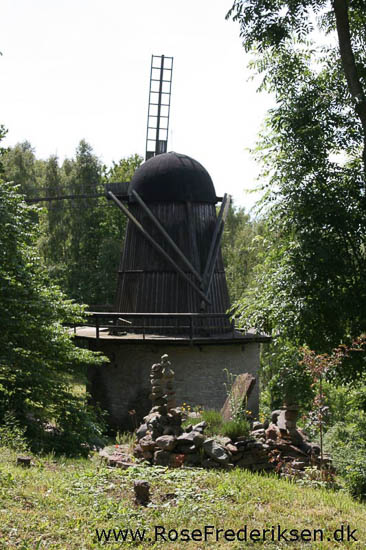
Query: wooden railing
x=135 y=322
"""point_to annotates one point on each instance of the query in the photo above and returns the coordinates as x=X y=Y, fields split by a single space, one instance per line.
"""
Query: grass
x=216 y=425
x=59 y=504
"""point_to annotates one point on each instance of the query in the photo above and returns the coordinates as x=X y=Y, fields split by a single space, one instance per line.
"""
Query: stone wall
x=124 y=384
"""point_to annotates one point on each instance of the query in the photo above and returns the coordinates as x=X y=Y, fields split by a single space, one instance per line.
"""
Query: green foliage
x=80 y=240
x=240 y=248
x=214 y=421
x=21 y=167
x=217 y=426
x=285 y=379
x=309 y=284
x=37 y=354
x=346 y=441
x=3 y=132
x=235 y=428
x=266 y=24
x=12 y=434
x=126 y=438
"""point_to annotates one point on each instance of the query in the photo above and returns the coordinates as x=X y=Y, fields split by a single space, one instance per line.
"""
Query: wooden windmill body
x=172 y=198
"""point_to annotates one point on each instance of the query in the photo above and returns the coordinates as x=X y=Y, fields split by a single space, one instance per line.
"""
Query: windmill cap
x=173 y=177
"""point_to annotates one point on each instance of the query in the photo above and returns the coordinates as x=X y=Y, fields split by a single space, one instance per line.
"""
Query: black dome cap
x=173 y=177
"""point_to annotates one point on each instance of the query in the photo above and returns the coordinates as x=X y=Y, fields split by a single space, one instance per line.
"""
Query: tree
x=83 y=176
x=54 y=225
x=113 y=227
x=81 y=239
x=21 y=167
x=271 y=25
x=37 y=354
x=240 y=246
x=90 y=231
x=311 y=286
x=3 y=132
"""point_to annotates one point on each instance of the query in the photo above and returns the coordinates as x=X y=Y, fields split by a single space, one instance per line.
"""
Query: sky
x=80 y=69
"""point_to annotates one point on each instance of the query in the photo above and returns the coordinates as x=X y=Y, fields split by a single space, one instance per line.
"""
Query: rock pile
x=161 y=440
x=276 y=445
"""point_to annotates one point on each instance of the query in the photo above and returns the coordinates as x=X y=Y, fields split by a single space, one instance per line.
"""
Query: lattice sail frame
x=160 y=89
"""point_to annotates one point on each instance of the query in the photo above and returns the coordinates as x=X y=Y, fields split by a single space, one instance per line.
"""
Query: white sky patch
x=80 y=69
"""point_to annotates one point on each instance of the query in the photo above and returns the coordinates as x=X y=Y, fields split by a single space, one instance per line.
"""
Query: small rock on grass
x=142 y=492
x=24 y=461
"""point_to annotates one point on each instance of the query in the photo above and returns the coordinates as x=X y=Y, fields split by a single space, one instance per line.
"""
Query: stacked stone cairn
x=162 y=391
x=277 y=445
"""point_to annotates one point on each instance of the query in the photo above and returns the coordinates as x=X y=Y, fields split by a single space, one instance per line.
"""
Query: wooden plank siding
x=148 y=283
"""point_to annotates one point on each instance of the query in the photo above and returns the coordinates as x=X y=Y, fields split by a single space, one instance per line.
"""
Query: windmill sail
x=159 y=105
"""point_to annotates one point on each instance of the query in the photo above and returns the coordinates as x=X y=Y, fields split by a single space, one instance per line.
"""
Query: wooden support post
x=97 y=327
x=215 y=244
x=214 y=237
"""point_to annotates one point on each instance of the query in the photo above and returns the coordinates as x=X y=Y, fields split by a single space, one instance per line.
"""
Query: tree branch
x=349 y=65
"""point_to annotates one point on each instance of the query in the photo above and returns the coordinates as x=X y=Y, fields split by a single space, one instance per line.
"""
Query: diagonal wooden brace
x=157 y=247
x=215 y=244
x=166 y=235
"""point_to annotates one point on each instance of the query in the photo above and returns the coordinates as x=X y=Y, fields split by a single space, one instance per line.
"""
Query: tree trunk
x=349 y=66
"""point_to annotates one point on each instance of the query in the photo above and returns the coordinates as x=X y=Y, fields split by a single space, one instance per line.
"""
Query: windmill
x=172 y=294
x=170 y=205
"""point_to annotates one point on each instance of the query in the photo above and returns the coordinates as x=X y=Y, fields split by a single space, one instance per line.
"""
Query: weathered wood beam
x=64 y=197
x=157 y=247
x=166 y=235
x=193 y=238
x=215 y=244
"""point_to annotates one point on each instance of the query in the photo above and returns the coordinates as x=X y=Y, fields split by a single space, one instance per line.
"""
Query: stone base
x=124 y=384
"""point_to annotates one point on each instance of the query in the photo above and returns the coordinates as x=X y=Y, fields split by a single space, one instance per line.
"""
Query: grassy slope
x=59 y=504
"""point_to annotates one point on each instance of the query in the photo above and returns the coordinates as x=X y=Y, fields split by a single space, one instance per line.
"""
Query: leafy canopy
x=310 y=285
x=80 y=240
x=37 y=354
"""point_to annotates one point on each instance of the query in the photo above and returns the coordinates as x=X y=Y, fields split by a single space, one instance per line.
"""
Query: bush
x=284 y=378
x=37 y=354
x=12 y=434
x=217 y=426
x=346 y=442
x=214 y=421
x=235 y=428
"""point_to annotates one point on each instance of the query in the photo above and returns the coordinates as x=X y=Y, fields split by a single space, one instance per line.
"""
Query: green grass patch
x=235 y=428
x=216 y=425
x=59 y=504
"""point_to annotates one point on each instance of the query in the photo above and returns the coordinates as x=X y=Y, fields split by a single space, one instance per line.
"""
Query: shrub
x=214 y=421
x=37 y=354
x=346 y=441
x=284 y=378
x=12 y=434
x=217 y=426
x=235 y=428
